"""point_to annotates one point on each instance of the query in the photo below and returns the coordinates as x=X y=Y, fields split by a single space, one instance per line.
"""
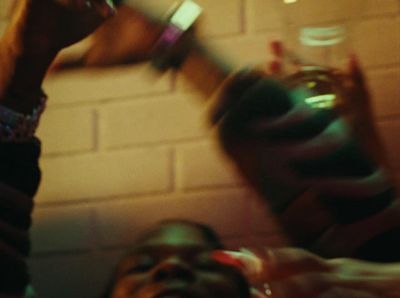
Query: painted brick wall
x=123 y=149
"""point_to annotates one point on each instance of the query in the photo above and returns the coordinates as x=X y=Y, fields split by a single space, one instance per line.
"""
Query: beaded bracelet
x=16 y=127
x=169 y=51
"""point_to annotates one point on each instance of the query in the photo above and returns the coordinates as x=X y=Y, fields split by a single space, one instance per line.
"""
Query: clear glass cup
x=319 y=32
x=318 y=41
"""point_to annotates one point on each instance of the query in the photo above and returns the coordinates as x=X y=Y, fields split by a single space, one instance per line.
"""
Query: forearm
x=205 y=69
x=22 y=74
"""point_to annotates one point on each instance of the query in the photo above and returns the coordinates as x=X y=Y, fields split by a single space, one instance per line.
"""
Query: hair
x=209 y=235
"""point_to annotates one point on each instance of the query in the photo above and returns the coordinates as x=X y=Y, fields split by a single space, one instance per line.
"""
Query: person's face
x=174 y=262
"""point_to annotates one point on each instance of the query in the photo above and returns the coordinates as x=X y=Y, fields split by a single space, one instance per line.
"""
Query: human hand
x=290 y=152
x=356 y=101
x=126 y=38
x=296 y=273
x=37 y=31
x=42 y=27
x=266 y=124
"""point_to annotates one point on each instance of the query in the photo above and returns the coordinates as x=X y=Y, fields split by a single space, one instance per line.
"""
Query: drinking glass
x=319 y=32
x=318 y=40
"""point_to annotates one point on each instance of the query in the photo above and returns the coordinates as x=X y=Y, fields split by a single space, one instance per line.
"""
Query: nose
x=173 y=268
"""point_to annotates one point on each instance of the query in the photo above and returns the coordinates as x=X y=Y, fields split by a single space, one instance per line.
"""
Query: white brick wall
x=106 y=174
x=124 y=148
x=63 y=228
x=80 y=135
x=160 y=119
x=385 y=91
x=200 y=165
x=105 y=85
x=377 y=41
x=381 y=7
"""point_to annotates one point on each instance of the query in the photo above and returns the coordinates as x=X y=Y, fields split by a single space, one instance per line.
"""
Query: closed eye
x=141 y=265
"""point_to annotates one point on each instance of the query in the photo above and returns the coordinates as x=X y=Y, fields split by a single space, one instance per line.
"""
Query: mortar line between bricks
x=96 y=130
x=119 y=99
x=52 y=155
x=163 y=144
x=173 y=169
x=244 y=22
x=158 y=145
x=92 y=202
x=89 y=202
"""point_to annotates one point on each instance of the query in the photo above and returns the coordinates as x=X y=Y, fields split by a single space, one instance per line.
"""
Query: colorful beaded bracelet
x=16 y=127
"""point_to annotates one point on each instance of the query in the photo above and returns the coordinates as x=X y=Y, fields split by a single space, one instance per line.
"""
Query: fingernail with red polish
x=276 y=48
x=275 y=67
x=227 y=258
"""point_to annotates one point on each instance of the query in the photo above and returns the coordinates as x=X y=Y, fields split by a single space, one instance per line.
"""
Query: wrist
x=23 y=74
x=176 y=41
x=29 y=69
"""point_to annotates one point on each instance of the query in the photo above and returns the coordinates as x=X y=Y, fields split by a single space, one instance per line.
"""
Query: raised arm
x=38 y=30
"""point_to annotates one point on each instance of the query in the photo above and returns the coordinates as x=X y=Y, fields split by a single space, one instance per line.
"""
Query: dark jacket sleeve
x=19 y=181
